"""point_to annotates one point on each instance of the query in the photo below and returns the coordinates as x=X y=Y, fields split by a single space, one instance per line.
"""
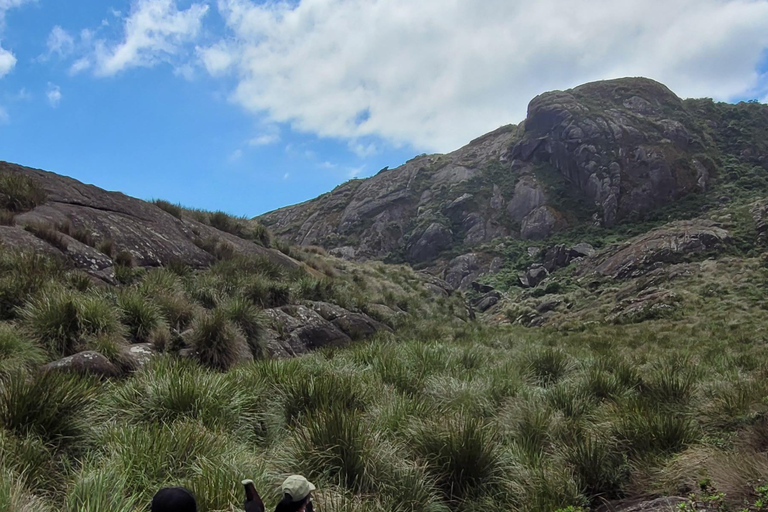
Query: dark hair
x=288 y=505
x=174 y=499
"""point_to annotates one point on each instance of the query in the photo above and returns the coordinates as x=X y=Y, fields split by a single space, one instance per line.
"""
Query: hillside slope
x=603 y=155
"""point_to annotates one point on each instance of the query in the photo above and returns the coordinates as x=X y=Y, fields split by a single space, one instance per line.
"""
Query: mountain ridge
x=604 y=154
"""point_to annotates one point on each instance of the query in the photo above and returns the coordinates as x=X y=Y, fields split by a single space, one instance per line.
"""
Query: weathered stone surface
x=610 y=153
x=439 y=287
x=486 y=301
x=549 y=304
x=528 y=196
x=582 y=250
x=556 y=257
x=152 y=236
x=533 y=276
x=384 y=314
x=377 y=215
x=435 y=239
x=355 y=325
x=139 y=354
x=88 y=362
x=669 y=244
x=463 y=269
x=541 y=223
x=302 y=329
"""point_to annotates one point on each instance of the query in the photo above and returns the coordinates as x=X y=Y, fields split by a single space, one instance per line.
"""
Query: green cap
x=297 y=487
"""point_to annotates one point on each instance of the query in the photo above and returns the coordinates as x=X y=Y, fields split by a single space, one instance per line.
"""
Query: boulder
x=139 y=354
x=533 y=276
x=540 y=223
x=462 y=269
x=557 y=257
x=302 y=329
x=549 y=304
x=355 y=325
x=481 y=288
x=435 y=239
x=437 y=286
x=384 y=314
x=487 y=301
x=581 y=250
x=88 y=362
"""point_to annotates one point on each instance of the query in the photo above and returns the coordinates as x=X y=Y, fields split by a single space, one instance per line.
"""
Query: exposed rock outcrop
x=627 y=144
x=669 y=244
x=149 y=234
x=298 y=329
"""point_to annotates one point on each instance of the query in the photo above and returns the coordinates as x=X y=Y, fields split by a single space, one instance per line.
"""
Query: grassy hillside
x=434 y=418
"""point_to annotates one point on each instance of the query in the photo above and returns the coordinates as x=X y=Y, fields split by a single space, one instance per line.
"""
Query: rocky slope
x=82 y=217
x=602 y=155
x=107 y=240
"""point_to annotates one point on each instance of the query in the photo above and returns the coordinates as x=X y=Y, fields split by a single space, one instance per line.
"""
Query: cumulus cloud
x=7 y=58
x=7 y=62
x=436 y=73
x=54 y=95
x=155 y=31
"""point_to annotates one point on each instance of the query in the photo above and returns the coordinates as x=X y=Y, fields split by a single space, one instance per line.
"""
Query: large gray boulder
x=300 y=329
x=355 y=325
x=88 y=362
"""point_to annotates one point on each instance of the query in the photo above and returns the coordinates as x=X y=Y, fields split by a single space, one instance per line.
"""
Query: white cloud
x=60 y=42
x=4 y=117
x=80 y=65
x=53 y=94
x=217 y=59
x=155 y=31
x=264 y=139
x=437 y=73
x=7 y=62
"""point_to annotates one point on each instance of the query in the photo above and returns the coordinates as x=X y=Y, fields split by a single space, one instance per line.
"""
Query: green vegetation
x=19 y=193
x=526 y=420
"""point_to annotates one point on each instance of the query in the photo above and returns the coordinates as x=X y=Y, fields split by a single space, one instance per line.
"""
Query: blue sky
x=248 y=106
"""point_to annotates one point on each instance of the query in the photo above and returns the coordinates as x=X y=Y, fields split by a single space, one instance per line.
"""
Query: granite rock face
x=669 y=244
x=614 y=150
x=627 y=144
x=152 y=236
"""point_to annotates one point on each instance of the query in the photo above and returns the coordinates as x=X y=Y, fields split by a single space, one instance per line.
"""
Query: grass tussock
x=20 y=193
x=218 y=343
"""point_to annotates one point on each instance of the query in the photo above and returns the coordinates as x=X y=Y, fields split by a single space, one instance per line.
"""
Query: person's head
x=173 y=499
x=297 y=492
